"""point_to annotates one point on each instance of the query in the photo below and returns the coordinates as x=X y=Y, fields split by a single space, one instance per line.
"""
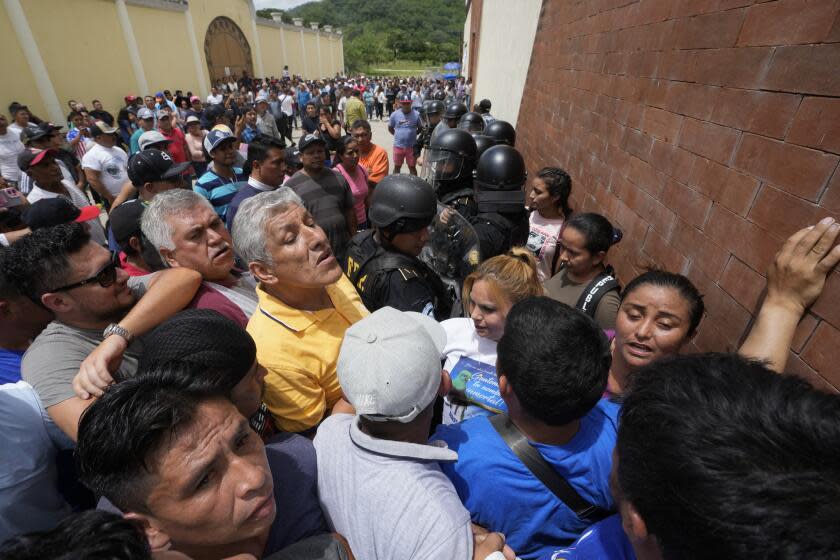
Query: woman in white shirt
x=548 y=197
x=470 y=354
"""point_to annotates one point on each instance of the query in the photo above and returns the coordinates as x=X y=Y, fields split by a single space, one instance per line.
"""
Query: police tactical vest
x=370 y=270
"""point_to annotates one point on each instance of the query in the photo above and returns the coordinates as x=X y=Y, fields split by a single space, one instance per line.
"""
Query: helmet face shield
x=443 y=165
x=471 y=126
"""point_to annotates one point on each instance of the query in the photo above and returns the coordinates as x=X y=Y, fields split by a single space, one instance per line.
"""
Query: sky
x=279 y=4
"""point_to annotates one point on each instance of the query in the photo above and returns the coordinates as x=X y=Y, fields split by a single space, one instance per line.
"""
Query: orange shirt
x=376 y=162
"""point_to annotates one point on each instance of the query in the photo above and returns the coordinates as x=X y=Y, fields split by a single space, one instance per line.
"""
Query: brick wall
x=708 y=130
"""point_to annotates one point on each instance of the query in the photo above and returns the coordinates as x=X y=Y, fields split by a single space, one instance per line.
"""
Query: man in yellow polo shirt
x=354 y=110
x=305 y=305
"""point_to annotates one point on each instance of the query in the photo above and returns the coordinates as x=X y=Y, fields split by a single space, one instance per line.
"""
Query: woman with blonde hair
x=470 y=354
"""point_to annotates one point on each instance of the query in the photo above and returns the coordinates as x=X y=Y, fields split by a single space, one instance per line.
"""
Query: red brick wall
x=708 y=130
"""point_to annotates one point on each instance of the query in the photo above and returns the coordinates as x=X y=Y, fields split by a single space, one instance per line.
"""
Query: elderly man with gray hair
x=305 y=305
x=187 y=232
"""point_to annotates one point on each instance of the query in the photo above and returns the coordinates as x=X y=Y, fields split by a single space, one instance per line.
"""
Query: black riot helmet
x=402 y=203
x=471 y=122
x=439 y=95
x=455 y=110
x=435 y=107
x=482 y=142
x=499 y=177
x=502 y=131
x=451 y=157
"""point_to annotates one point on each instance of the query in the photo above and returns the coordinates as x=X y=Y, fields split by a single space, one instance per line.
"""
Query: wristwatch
x=114 y=328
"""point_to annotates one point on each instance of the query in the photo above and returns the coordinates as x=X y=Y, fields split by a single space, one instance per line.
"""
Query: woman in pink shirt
x=347 y=156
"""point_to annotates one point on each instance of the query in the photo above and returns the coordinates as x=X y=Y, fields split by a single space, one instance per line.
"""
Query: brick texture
x=708 y=131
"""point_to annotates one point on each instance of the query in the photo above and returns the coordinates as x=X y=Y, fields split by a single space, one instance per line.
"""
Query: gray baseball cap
x=152 y=138
x=389 y=364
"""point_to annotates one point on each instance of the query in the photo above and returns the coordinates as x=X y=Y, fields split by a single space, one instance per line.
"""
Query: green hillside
x=377 y=32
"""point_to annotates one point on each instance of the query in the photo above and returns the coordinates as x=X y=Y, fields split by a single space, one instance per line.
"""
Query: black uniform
x=388 y=278
x=501 y=221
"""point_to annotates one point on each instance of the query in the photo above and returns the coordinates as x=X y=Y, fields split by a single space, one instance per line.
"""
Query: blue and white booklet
x=476 y=383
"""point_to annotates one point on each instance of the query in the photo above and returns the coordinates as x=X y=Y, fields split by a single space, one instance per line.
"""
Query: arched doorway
x=227 y=50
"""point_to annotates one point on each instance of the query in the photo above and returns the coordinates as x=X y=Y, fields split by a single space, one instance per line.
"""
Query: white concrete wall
x=508 y=28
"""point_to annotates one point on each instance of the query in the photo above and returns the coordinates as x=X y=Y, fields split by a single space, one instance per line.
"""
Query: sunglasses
x=105 y=277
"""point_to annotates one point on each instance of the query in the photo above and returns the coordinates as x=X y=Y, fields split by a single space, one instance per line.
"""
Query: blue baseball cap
x=216 y=137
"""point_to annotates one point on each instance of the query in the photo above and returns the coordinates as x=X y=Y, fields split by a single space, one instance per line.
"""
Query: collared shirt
x=300 y=351
x=372 y=489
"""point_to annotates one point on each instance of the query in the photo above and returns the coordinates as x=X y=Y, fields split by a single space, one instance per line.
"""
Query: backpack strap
x=597 y=288
x=544 y=472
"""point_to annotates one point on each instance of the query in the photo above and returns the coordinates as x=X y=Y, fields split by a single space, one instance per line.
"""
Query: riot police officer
x=453 y=113
x=482 y=142
x=471 y=122
x=502 y=220
x=383 y=262
x=433 y=113
x=502 y=132
x=449 y=166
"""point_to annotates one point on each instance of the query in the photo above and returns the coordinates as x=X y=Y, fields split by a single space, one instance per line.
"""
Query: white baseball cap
x=389 y=364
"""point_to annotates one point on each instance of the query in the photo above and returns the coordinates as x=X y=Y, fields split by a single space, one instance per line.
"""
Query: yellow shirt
x=300 y=351
x=354 y=110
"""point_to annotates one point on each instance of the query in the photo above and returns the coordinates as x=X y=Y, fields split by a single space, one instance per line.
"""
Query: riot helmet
x=402 y=204
x=454 y=111
x=451 y=157
x=502 y=131
x=500 y=177
x=439 y=95
x=482 y=142
x=435 y=107
x=471 y=122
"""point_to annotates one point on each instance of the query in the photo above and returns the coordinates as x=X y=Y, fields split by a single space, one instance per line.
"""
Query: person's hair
x=341 y=147
x=7 y=289
x=249 y=235
x=91 y=534
x=155 y=225
x=555 y=358
x=360 y=123
x=95 y=101
x=122 y=433
x=197 y=348
x=308 y=105
x=40 y=261
x=598 y=232
x=723 y=458
x=73 y=114
x=678 y=282
x=259 y=149
x=511 y=276
x=559 y=184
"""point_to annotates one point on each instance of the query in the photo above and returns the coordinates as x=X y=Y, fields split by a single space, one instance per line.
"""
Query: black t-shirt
x=309 y=124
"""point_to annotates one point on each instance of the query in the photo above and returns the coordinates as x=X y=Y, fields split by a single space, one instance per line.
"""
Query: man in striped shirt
x=219 y=184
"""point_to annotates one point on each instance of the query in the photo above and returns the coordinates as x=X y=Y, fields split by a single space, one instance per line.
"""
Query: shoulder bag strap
x=546 y=474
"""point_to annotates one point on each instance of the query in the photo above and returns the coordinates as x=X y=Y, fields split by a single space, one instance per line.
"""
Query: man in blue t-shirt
x=552 y=367
x=403 y=125
x=20 y=322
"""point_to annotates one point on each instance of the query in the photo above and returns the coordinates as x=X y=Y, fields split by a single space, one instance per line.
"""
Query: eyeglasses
x=105 y=277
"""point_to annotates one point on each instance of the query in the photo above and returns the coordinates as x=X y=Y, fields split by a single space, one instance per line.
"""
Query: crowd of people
x=221 y=342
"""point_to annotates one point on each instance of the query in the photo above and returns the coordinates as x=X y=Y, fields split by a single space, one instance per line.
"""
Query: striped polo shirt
x=219 y=190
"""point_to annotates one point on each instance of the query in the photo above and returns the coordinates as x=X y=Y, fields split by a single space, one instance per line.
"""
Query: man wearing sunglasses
x=98 y=312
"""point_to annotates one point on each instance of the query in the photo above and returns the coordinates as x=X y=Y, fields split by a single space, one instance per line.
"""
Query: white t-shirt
x=542 y=241
x=10 y=147
x=463 y=342
x=112 y=164
x=287 y=104
x=342 y=103
x=214 y=99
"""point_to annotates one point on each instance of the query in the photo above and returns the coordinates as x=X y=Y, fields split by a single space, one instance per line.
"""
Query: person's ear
x=445 y=383
x=167 y=257
x=5 y=308
x=262 y=273
x=634 y=526
x=157 y=537
x=600 y=256
x=57 y=302
x=505 y=390
x=135 y=244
